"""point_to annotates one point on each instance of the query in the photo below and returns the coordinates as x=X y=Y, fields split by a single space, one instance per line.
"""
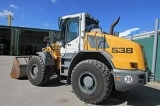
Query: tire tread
x=46 y=74
x=108 y=83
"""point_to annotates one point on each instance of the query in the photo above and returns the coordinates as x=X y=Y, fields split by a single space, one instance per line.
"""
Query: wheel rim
x=87 y=82
x=34 y=71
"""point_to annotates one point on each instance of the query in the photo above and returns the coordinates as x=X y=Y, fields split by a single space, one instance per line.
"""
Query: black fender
x=102 y=56
x=47 y=58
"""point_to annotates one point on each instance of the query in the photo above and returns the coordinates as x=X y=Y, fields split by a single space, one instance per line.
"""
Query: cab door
x=72 y=35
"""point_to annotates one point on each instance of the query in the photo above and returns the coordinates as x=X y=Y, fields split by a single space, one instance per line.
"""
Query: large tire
x=91 y=81
x=37 y=73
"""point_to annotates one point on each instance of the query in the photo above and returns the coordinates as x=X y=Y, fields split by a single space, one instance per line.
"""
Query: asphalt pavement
x=14 y=92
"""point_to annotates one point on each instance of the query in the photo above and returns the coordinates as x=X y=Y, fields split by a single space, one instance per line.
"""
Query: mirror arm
x=51 y=46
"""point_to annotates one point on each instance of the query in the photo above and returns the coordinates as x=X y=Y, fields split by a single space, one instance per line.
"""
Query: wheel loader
x=92 y=61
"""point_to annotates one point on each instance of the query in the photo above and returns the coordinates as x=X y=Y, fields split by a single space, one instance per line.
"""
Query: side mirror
x=52 y=37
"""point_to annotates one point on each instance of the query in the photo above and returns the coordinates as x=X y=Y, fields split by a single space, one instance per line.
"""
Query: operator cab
x=73 y=29
x=87 y=20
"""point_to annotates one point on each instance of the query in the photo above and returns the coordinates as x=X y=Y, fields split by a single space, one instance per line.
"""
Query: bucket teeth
x=19 y=68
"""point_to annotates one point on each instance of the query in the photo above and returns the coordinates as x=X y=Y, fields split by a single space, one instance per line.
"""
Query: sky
x=45 y=13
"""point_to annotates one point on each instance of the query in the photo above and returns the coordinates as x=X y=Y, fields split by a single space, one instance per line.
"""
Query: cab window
x=73 y=29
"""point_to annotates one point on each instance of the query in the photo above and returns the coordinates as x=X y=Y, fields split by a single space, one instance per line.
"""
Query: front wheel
x=37 y=73
x=91 y=81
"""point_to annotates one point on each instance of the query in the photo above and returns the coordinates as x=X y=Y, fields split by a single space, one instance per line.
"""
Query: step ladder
x=65 y=63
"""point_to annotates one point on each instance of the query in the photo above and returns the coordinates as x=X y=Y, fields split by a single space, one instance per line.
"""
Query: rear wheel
x=91 y=81
x=37 y=73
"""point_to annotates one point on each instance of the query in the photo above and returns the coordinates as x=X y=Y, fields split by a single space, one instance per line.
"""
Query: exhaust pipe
x=113 y=25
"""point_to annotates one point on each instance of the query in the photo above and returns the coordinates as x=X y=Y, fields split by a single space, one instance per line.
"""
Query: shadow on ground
x=139 y=96
x=24 y=78
x=53 y=83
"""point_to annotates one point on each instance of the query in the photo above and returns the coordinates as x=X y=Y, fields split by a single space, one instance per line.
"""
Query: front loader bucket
x=19 y=68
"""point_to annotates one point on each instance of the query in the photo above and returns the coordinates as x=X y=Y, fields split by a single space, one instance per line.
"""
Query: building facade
x=23 y=40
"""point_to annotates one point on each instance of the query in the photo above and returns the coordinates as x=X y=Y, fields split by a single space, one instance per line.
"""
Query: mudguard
x=47 y=58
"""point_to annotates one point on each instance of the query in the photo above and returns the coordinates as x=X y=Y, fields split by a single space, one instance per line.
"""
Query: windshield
x=89 y=23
